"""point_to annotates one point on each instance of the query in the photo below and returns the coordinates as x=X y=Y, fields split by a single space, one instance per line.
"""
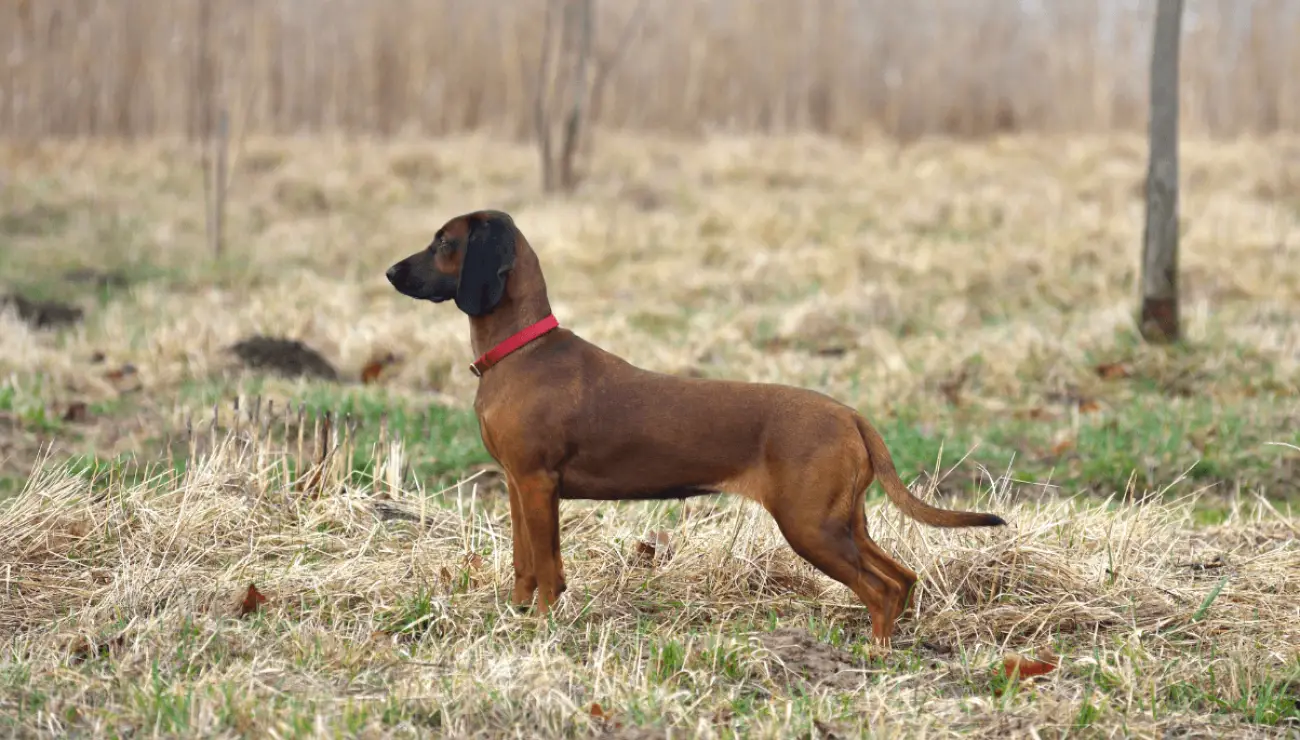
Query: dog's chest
x=514 y=435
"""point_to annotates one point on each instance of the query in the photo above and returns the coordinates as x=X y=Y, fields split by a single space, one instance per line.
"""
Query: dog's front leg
x=525 y=574
x=539 y=499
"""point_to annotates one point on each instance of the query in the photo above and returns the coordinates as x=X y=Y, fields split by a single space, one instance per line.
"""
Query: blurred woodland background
x=135 y=68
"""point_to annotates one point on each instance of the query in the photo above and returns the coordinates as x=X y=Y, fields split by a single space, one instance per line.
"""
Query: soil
x=815 y=661
x=42 y=314
x=288 y=357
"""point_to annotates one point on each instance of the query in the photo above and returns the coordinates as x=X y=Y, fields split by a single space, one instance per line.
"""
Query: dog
x=567 y=420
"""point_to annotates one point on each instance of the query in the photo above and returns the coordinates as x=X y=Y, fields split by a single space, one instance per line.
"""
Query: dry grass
x=961 y=295
x=124 y=606
x=845 y=67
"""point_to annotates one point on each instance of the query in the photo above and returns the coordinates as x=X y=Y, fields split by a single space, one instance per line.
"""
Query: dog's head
x=468 y=261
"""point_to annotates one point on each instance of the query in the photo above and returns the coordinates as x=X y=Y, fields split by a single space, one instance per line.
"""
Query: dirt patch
x=101 y=280
x=798 y=652
x=19 y=448
x=631 y=733
x=288 y=357
x=42 y=314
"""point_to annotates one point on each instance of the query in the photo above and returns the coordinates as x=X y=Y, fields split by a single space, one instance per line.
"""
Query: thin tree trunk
x=1159 y=321
x=541 y=111
x=572 y=127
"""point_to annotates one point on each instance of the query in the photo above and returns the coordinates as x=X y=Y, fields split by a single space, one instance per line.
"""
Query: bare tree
x=1159 y=320
x=570 y=26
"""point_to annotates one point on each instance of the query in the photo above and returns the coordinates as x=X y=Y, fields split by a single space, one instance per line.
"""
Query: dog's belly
x=591 y=490
x=645 y=471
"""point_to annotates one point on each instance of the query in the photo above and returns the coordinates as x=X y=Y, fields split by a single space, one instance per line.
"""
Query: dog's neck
x=524 y=304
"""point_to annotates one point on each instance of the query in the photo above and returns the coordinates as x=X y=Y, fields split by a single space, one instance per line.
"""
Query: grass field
x=974 y=300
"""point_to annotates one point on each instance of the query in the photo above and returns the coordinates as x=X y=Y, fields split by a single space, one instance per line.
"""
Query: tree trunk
x=1159 y=321
x=572 y=126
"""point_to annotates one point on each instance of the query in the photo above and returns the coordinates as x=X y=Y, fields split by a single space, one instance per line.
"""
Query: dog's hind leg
x=821 y=530
x=874 y=557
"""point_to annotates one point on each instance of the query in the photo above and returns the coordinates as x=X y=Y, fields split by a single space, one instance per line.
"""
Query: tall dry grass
x=846 y=67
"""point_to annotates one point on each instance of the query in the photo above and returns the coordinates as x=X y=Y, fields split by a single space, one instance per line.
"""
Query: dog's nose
x=394 y=272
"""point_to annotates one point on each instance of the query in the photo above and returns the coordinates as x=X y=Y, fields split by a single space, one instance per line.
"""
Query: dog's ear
x=489 y=256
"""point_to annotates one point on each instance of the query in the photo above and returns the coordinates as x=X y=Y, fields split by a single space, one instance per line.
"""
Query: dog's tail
x=883 y=464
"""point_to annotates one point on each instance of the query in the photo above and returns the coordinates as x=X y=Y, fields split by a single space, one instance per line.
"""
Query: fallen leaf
x=1062 y=447
x=253 y=601
x=125 y=378
x=827 y=731
x=773 y=344
x=474 y=561
x=1113 y=370
x=952 y=387
x=604 y=716
x=1088 y=406
x=83 y=649
x=376 y=366
x=1216 y=562
x=370 y=373
x=1036 y=413
x=654 y=549
x=125 y=371
x=77 y=412
x=1019 y=665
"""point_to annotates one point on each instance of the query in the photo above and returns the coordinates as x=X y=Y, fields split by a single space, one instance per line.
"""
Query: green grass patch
x=1144 y=442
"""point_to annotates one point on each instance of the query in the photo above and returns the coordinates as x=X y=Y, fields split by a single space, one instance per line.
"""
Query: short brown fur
x=566 y=419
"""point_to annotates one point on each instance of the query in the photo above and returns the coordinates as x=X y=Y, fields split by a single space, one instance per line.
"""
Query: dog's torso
x=613 y=430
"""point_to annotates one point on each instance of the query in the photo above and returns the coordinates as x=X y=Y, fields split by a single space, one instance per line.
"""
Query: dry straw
x=375 y=602
x=140 y=68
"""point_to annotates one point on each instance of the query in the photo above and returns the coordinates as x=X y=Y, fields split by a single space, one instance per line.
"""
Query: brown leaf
x=1062 y=447
x=125 y=379
x=828 y=731
x=77 y=412
x=952 y=387
x=376 y=366
x=253 y=601
x=125 y=371
x=1088 y=406
x=83 y=649
x=1113 y=370
x=603 y=716
x=773 y=344
x=1018 y=665
x=654 y=549
x=1036 y=413
x=370 y=373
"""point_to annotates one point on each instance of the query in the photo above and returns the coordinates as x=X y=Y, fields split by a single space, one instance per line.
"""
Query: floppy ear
x=489 y=256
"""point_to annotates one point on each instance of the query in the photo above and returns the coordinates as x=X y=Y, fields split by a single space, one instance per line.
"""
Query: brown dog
x=567 y=420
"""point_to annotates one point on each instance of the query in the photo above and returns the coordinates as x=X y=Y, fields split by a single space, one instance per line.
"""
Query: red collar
x=512 y=343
